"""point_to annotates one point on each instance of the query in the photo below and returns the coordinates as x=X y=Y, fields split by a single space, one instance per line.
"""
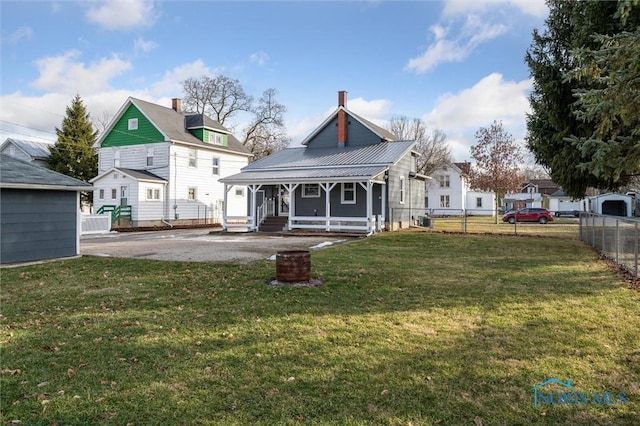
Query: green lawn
x=410 y=329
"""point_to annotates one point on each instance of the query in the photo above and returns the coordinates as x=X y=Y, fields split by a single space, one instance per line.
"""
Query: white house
x=31 y=151
x=448 y=193
x=163 y=166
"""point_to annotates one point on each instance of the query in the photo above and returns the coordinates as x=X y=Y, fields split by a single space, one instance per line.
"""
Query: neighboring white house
x=448 y=193
x=165 y=165
x=31 y=151
x=561 y=202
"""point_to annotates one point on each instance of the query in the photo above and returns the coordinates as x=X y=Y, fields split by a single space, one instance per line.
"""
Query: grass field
x=411 y=328
x=559 y=227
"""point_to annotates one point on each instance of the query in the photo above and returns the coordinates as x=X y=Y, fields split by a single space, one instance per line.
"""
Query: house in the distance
x=532 y=194
x=448 y=193
x=31 y=151
x=163 y=165
x=348 y=175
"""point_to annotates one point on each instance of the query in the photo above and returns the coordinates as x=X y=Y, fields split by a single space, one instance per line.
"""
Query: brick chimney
x=176 y=104
x=342 y=119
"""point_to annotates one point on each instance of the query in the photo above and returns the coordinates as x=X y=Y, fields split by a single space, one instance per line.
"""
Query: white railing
x=95 y=224
x=332 y=223
x=239 y=222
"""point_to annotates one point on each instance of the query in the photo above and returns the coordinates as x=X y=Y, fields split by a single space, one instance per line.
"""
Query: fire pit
x=293 y=269
x=293 y=266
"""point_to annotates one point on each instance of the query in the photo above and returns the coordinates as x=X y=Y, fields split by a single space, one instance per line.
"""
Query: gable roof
x=325 y=164
x=173 y=125
x=383 y=133
x=35 y=150
x=15 y=173
x=139 y=175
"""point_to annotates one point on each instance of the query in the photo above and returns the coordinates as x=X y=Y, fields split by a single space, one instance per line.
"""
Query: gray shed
x=39 y=212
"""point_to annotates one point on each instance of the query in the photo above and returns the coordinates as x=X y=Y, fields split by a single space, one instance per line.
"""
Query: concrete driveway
x=199 y=245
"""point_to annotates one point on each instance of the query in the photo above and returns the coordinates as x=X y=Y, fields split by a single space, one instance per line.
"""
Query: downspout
x=166 y=205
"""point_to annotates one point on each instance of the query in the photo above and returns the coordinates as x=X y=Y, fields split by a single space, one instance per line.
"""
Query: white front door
x=124 y=195
x=283 y=202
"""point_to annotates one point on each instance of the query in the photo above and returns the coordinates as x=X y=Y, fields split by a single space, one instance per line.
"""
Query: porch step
x=273 y=224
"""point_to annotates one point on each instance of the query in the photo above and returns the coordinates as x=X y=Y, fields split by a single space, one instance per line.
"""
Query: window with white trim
x=401 y=189
x=239 y=192
x=444 y=181
x=114 y=193
x=150 y=156
x=191 y=194
x=132 y=124
x=444 y=201
x=215 y=166
x=310 y=190
x=215 y=138
x=153 y=194
x=101 y=194
x=478 y=202
x=193 y=157
x=348 y=193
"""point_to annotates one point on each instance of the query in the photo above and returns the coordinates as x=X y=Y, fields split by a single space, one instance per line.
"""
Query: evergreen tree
x=557 y=125
x=73 y=153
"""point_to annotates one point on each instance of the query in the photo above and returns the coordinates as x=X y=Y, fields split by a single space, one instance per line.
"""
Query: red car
x=528 y=215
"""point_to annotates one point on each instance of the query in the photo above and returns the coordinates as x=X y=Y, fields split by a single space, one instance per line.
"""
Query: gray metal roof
x=15 y=173
x=384 y=153
x=36 y=150
x=323 y=164
x=173 y=125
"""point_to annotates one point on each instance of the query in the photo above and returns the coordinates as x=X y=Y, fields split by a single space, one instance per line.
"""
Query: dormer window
x=215 y=138
x=132 y=124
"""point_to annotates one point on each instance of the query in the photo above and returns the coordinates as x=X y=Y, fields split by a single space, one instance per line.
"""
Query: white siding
x=209 y=192
x=135 y=157
x=151 y=210
x=488 y=201
x=116 y=181
x=457 y=191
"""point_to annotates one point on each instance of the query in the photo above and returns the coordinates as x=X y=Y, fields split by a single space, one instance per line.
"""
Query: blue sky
x=458 y=65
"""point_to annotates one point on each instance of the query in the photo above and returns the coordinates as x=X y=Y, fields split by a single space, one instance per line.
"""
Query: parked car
x=567 y=213
x=528 y=215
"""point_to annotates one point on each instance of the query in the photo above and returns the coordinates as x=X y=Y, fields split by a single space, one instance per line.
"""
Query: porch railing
x=332 y=223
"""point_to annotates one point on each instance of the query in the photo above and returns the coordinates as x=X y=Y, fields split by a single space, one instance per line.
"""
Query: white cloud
x=259 y=58
x=122 y=14
x=377 y=110
x=459 y=115
x=145 y=46
x=20 y=34
x=490 y=99
x=473 y=32
x=171 y=82
x=537 y=8
x=63 y=74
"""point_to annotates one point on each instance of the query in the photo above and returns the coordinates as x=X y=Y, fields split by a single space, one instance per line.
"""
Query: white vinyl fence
x=96 y=223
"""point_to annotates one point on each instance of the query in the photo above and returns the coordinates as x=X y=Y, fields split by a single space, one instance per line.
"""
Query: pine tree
x=73 y=153
x=558 y=126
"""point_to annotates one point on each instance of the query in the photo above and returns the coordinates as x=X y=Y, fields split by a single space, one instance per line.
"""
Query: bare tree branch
x=431 y=144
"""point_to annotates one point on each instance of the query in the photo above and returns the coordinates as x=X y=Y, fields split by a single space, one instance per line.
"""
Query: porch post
x=224 y=206
x=291 y=187
x=253 y=216
x=327 y=190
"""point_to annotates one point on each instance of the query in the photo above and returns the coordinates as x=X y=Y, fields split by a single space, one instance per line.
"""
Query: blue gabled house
x=349 y=175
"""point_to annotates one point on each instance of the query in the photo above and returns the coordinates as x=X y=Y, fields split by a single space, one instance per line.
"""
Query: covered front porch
x=354 y=204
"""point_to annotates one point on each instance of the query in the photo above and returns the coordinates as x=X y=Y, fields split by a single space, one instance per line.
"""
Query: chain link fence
x=616 y=237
